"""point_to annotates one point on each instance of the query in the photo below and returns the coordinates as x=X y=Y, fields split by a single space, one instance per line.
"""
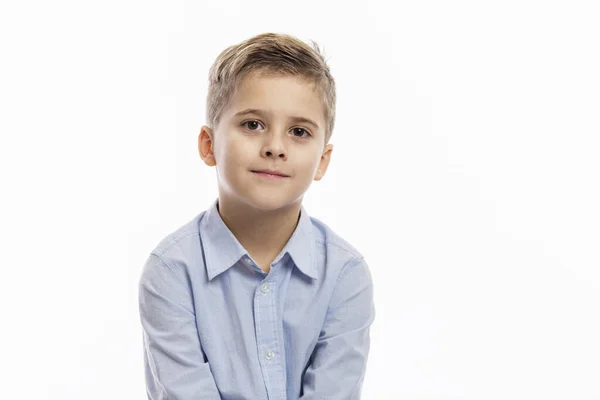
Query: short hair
x=269 y=54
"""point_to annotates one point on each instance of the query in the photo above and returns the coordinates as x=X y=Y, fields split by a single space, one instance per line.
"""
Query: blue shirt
x=215 y=326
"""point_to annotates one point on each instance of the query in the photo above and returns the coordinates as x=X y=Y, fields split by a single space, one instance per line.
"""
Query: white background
x=466 y=169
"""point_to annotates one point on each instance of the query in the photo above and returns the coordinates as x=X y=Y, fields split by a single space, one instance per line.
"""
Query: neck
x=262 y=233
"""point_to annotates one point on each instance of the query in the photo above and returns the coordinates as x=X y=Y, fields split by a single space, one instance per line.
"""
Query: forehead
x=285 y=96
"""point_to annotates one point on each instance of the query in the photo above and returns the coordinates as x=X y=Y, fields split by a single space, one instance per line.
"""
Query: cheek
x=309 y=167
x=231 y=153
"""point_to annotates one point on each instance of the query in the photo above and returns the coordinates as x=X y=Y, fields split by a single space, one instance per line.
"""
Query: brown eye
x=301 y=130
x=252 y=124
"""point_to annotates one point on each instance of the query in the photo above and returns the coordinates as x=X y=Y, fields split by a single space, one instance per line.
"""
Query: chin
x=269 y=204
x=265 y=202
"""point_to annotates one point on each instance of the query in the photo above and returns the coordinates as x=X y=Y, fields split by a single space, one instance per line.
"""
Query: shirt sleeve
x=175 y=365
x=337 y=366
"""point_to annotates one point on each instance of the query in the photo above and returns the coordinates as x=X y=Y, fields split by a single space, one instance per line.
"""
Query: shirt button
x=270 y=354
x=248 y=260
x=264 y=288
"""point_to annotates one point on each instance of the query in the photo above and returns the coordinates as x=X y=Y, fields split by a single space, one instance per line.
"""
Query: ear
x=324 y=162
x=206 y=146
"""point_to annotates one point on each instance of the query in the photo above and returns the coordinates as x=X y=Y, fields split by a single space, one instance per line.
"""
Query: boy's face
x=273 y=137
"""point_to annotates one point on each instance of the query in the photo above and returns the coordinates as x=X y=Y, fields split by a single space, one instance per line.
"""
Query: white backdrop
x=465 y=168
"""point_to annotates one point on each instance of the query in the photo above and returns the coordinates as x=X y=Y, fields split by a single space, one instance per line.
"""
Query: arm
x=175 y=368
x=337 y=366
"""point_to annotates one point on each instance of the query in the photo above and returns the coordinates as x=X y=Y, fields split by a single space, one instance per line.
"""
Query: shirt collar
x=222 y=250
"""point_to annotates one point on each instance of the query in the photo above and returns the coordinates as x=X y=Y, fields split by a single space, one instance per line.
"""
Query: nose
x=274 y=147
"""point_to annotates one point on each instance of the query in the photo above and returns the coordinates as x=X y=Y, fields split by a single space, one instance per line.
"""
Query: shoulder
x=343 y=267
x=180 y=243
x=332 y=243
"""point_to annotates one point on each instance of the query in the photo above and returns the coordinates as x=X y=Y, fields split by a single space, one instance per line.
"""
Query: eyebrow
x=267 y=113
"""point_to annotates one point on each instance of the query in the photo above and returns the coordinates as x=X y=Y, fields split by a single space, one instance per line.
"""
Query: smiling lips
x=270 y=174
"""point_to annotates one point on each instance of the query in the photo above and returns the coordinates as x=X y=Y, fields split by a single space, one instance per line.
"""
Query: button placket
x=272 y=363
x=264 y=288
x=270 y=355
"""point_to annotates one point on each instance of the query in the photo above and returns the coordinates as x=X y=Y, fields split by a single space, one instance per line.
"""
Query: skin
x=263 y=214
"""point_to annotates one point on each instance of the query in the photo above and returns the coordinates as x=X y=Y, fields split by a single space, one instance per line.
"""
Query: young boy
x=253 y=298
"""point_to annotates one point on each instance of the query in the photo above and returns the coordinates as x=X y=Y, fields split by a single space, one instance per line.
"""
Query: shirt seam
x=347 y=267
x=328 y=243
x=174 y=241
x=349 y=264
x=170 y=268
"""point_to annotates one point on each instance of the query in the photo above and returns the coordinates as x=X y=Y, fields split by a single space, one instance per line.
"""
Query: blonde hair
x=269 y=54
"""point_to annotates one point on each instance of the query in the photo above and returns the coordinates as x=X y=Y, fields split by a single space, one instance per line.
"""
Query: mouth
x=270 y=175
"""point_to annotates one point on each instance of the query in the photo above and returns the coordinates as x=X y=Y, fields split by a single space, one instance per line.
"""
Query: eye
x=301 y=130
x=252 y=124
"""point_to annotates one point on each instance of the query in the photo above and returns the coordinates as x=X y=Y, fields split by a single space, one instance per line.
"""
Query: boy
x=253 y=298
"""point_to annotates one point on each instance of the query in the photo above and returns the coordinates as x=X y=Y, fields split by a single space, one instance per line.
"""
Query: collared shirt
x=216 y=326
